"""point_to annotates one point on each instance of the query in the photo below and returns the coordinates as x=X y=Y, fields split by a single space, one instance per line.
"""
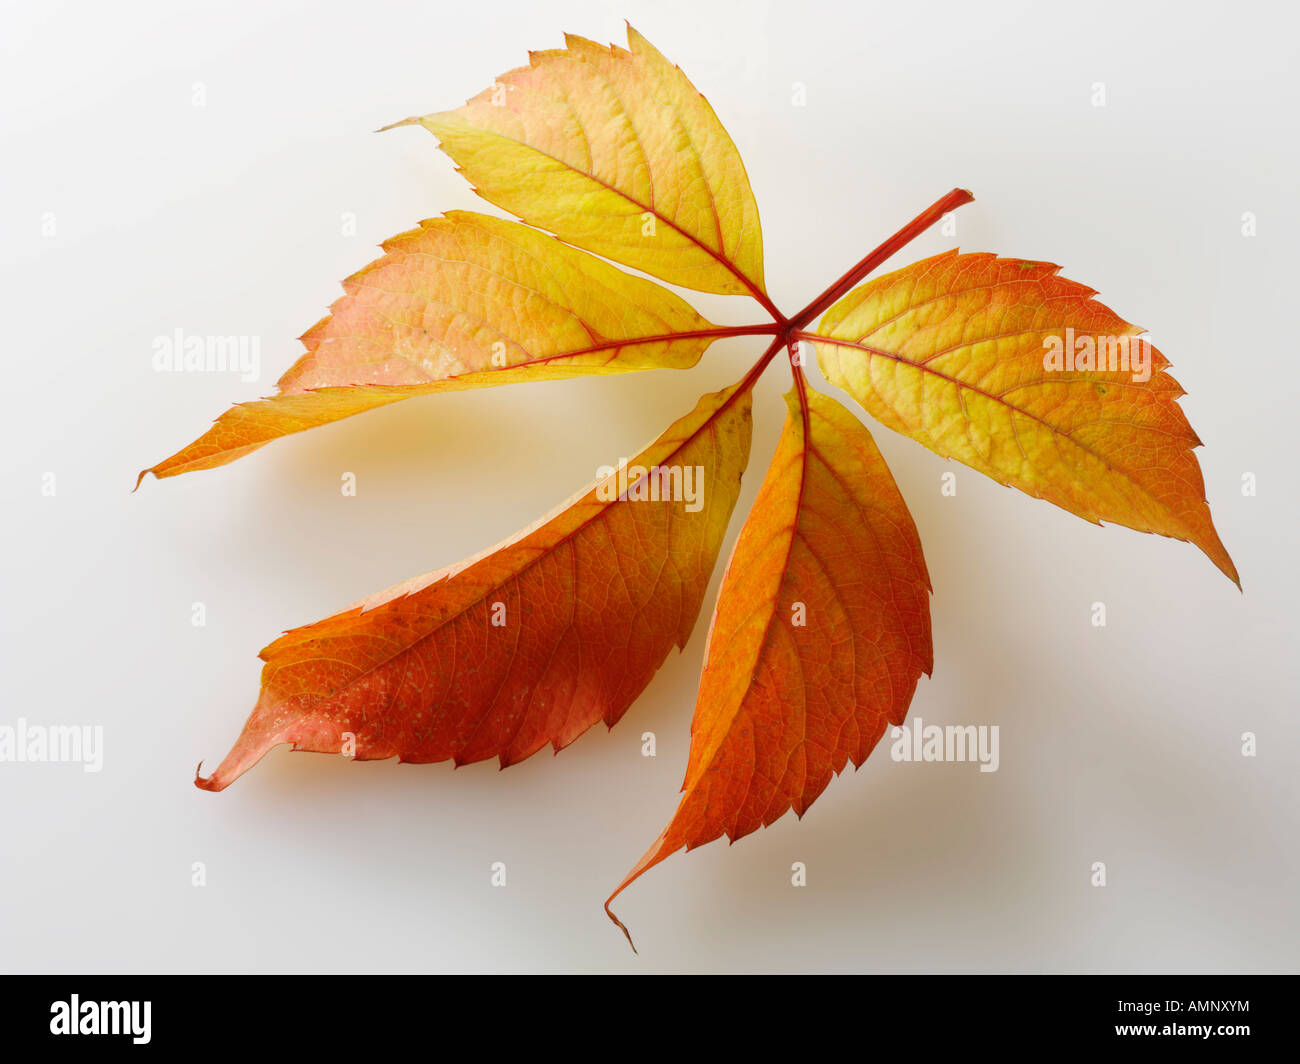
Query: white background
x=1119 y=744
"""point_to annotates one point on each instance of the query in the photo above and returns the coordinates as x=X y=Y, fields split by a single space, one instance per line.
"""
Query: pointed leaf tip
x=206 y=783
x=619 y=923
x=413 y=120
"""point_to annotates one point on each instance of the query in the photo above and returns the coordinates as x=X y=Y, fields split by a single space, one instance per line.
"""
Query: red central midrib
x=720 y=332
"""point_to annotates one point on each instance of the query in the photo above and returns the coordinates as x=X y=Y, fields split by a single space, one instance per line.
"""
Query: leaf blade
x=581 y=640
x=783 y=706
x=591 y=143
x=950 y=351
x=463 y=301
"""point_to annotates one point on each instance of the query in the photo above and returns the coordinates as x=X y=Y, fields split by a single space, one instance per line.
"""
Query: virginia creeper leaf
x=951 y=352
x=464 y=301
x=614 y=150
x=822 y=627
x=531 y=643
x=821 y=632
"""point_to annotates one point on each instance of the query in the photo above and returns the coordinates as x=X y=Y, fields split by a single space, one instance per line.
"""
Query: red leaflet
x=821 y=632
x=531 y=643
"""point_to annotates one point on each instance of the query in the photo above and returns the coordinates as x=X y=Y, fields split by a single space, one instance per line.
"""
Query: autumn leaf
x=954 y=352
x=615 y=151
x=821 y=632
x=464 y=301
x=528 y=644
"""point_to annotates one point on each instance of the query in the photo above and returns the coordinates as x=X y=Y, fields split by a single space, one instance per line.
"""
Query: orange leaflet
x=1010 y=368
x=821 y=632
x=528 y=644
x=465 y=301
